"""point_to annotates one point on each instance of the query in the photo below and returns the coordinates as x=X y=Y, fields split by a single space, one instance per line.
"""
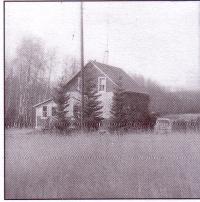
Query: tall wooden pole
x=82 y=66
x=199 y=51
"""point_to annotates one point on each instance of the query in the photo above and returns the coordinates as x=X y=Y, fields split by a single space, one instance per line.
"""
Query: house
x=106 y=77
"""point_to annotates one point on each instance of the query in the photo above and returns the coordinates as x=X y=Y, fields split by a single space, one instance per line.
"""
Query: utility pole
x=82 y=65
x=198 y=77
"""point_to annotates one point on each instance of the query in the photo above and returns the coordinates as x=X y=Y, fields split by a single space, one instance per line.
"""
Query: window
x=44 y=111
x=102 y=83
x=53 y=111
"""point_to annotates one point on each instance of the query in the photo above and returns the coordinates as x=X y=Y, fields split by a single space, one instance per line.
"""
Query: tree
x=77 y=115
x=30 y=69
x=62 y=101
x=11 y=99
x=92 y=106
x=71 y=66
x=118 y=109
x=27 y=81
x=92 y=114
x=50 y=64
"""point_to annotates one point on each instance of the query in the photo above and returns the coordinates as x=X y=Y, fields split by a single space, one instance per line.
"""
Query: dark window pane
x=101 y=88
x=44 y=108
x=44 y=113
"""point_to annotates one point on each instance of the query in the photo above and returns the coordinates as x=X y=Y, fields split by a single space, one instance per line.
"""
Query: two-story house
x=106 y=78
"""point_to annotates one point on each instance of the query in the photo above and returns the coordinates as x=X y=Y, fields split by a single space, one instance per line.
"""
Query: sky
x=159 y=40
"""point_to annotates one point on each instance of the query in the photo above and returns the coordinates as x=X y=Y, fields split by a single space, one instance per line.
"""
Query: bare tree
x=71 y=66
x=50 y=64
x=31 y=64
x=11 y=93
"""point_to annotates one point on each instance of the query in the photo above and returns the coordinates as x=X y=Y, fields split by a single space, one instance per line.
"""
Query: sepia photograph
x=101 y=100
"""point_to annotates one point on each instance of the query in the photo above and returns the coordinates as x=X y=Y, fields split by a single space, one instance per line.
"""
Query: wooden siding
x=138 y=101
x=89 y=72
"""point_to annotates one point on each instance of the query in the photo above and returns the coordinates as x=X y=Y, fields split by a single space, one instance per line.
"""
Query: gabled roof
x=46 y=101
x=113 y=73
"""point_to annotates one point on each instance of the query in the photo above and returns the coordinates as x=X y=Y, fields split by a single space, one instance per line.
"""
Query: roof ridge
x=107 y=65
x=118 y=69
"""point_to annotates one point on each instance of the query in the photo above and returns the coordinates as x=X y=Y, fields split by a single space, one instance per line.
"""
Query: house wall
x=137 y=100
x=89 y=72
x=40 y=120
x=49 y=108
x=93 y=72
x=106 y=97
x=74 y=97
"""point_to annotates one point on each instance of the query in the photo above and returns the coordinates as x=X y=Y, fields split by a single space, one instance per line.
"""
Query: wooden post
x=82 y=65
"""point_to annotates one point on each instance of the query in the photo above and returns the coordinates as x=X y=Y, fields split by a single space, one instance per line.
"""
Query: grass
x=41 y=166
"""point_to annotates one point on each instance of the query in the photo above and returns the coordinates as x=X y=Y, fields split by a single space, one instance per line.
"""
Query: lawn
x=101 y=166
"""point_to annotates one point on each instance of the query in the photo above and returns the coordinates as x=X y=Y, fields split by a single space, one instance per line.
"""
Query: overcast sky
x=159 y=40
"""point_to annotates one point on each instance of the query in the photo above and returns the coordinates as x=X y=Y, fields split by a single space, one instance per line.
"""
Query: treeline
x=28 y=80
x=163 y=101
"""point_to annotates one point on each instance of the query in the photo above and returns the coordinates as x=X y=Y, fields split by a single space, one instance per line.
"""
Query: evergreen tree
x=118 y=109
x=62 y=102
x=92 y=114
x=77 y=115
x=92 y=108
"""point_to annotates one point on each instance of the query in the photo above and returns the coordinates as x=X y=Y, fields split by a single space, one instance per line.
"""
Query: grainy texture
x=93 y=166
x=125 y=122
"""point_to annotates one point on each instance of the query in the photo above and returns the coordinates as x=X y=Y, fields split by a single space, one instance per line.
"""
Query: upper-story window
x=102 y=83
x=44 y=111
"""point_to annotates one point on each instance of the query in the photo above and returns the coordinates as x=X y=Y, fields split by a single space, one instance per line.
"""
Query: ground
x=101 y=166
